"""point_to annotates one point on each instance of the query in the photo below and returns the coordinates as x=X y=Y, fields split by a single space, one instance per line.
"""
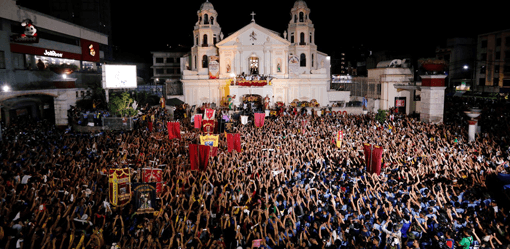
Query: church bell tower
x=206 y=34
x=301 y=35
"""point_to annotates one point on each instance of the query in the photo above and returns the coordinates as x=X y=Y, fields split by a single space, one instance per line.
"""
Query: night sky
x=416 y=27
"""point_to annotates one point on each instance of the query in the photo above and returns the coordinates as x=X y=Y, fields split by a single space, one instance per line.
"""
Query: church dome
x=300 y=4
x=206 y=6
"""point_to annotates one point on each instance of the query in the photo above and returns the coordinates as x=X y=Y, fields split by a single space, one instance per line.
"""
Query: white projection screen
x=119 y=76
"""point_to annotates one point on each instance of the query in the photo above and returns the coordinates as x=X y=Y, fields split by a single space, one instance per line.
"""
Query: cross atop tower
x=253 y=16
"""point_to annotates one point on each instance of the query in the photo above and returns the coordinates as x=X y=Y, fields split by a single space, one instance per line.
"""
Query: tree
x=120 y=104
x=381 y=116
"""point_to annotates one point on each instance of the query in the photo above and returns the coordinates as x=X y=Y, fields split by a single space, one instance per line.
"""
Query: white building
x=297 y=69
x=385 y=89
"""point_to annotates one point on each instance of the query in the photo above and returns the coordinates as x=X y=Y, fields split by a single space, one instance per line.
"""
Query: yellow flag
x=210 y=140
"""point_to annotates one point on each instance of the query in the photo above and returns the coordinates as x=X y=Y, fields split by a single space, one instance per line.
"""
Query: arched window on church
x=197 y=43
x=302 y=60
x=206 y=19
x=212 y=20
x=312 y=60
x=205 y=61
x=214 y=40
x=302 y=39
x=195 y=62
x=301 y=17
x=291 y=37
x=204 y=41
x=295 y=18
x=311 y=38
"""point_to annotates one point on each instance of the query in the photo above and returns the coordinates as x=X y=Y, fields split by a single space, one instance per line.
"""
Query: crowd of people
x=290 y=187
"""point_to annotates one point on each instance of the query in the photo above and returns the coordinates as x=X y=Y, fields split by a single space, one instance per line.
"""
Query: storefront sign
x=53 y=53
x=89 y=50
x=25 y=49
x=29 y=35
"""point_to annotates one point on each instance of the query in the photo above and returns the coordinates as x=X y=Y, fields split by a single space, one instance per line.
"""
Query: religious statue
x=266 y=102
x=285 y=34
x=228 y=67
x=162 y=101
x=231 y=102
x=365 y=103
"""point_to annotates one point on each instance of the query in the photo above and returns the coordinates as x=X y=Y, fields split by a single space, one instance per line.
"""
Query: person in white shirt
x=395 y=236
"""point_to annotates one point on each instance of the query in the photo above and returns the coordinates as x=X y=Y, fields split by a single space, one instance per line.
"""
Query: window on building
x=311 y=38
x=498 y=42
x=481 y=82
x=195 y=61
x=483 y=57
x=88 y=66
x=498 y=55
x=206 y=19
x=507 y=55
x=506 y=82
x=170 y=60
x=160 y=71
x=18 y=61
x=204 y=41
x=313 y=60
x=295 y=18
x=291 y=37
x=484 y=43
x=302 y=61
x=495 y=82
x=496 y=68
x=301 y=17
x=160 y=60
x=482 y=69
x=214 y=40
x=212 y=20
x=2 y=60
x=302 y=39
x=196 y=41
x=205 y=62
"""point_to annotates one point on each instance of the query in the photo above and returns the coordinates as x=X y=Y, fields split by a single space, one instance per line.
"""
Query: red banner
x=234 y=142
x=259 y=119
x=198 y=121
x=193 y=156
x=208 y=126
x=376 y=159
x=153 y=175
x=199 y=156
x=150 y=126
x=373 y=157
x=174 y=130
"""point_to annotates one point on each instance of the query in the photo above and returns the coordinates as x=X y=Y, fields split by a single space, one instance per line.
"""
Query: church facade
x=256 y=61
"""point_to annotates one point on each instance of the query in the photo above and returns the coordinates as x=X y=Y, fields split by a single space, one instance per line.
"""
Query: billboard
x=119 y=76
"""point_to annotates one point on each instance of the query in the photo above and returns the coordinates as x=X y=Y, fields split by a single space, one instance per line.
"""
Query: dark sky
x=413 y=26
